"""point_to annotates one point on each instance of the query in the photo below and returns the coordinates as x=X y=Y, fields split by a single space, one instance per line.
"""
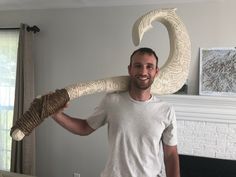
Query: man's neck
x=140 y=95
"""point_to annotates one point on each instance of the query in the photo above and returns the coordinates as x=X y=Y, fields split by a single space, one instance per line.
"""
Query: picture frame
x=217 y=73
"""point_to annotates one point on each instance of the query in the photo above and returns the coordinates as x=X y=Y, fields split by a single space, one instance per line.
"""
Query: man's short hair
x=144 y=50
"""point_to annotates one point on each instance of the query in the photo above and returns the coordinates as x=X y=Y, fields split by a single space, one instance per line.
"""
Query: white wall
x=76 y=45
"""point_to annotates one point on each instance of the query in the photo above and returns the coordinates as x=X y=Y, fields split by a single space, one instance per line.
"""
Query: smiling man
x=142 y=70
x=138 y=123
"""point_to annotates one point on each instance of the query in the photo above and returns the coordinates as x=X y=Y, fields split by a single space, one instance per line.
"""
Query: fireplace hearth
x=194 y=166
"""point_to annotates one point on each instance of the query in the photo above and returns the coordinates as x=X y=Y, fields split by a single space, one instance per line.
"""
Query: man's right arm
x=74 y=125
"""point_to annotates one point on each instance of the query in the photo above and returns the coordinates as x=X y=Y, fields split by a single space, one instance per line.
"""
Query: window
x=8 y=59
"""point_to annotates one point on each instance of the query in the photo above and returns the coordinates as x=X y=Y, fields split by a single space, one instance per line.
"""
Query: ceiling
x=47 y=4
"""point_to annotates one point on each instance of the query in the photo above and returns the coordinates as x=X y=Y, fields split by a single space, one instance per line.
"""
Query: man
x=138 y=122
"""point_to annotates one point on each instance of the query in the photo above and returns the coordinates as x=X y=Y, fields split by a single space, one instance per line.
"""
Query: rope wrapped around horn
x=171 y=78
x=46 y=105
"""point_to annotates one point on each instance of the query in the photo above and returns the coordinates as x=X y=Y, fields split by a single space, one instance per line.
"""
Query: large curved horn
x=174 y=73
x=170 y=79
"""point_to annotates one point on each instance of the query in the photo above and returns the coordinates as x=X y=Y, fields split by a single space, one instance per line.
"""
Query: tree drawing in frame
x=217 y=71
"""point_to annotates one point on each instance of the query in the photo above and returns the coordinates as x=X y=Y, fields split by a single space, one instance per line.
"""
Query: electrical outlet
x=76 y=174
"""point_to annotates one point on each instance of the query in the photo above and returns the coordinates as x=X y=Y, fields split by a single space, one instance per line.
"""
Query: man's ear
x=129 y=68
x=157 y=72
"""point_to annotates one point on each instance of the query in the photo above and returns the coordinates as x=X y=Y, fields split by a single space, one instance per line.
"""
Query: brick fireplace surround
x=206 y=131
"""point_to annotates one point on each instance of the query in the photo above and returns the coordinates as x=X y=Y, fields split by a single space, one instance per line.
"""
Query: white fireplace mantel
x=203 y=108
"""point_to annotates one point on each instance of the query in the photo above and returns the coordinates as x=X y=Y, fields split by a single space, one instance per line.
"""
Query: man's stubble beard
x=141 y=86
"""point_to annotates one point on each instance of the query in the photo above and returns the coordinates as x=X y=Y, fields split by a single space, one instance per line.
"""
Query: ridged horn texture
x=174 y=72
x=119 y=83
x=171 y=76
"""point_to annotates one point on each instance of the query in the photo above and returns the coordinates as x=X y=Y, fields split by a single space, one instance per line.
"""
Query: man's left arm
x=171 y=160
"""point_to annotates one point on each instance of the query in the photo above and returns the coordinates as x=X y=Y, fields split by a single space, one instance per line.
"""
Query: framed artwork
x=217 y=74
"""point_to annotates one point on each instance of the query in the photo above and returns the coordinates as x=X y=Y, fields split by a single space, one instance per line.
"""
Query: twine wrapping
x=40 y=109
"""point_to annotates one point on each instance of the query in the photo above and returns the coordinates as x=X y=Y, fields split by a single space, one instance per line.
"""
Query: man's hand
x=75 y=125
x=60 y=111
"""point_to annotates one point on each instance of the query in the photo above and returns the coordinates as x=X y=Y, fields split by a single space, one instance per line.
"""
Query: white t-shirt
x=135 y=131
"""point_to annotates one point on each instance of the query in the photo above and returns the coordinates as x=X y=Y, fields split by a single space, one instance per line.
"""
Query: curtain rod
x=9 y=28
x=34 y=29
